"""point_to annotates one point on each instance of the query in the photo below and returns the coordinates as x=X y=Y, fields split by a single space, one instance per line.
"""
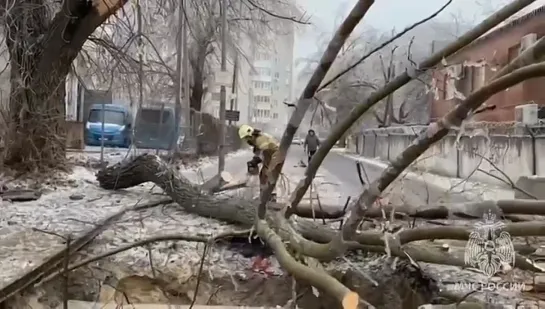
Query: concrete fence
x=479 y=157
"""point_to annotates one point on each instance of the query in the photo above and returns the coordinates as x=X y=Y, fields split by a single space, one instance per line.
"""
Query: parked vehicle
x=117 y=125
x=153 y=131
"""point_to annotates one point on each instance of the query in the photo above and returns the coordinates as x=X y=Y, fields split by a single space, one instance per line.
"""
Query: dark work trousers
x=310 y=154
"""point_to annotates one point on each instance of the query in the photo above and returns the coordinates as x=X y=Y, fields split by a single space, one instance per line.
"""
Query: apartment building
x=272 y=80
x=264 y=80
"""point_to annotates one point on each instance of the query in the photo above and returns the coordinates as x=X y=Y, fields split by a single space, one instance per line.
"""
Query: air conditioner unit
x=527 y=41
x=526 y=114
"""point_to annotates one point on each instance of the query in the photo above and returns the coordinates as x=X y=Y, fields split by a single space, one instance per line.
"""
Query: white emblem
x=489 y=248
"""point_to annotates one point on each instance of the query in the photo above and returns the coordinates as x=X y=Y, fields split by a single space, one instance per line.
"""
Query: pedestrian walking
x=312 y=142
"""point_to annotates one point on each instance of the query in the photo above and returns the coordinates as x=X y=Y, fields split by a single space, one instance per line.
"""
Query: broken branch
x=435 y=132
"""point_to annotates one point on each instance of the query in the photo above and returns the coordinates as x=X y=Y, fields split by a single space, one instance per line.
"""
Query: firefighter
x=264 y=146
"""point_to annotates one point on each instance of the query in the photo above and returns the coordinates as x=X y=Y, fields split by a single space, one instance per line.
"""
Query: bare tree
x=43 y=40
x=252 y=21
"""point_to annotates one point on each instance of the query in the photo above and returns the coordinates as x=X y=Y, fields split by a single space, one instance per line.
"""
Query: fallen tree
x=150 y=168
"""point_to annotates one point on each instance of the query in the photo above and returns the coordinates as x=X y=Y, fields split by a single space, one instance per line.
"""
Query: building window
x=262 y=85
x=262 y=99
x=275 y=115
x=454 y=72
x=276 y=75
x=262 y=56
x=479 y=77
x=513 y=53
x=450 y=88
x=264 y=71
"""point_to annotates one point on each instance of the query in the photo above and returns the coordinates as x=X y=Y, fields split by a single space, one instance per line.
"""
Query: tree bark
x=35 y=133
x=36 y=136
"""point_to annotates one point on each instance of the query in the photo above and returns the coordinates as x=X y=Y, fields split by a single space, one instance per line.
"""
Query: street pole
x=233 y=87
x=140 y=62
x=178 y=108
x=185 y=79
x=102 y=112
x=223 y=90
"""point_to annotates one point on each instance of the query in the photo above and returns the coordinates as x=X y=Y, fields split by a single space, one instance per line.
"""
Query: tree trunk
x=36 y=136
x=36 y=107
x=197 y=65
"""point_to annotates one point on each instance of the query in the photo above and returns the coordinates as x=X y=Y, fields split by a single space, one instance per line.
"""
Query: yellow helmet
x=245 y=131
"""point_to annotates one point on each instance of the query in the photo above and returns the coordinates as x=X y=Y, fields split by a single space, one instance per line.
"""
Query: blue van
x=155 y=131
x=117 y=126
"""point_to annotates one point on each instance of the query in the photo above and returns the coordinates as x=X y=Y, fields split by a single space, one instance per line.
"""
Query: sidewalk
x=429 y=187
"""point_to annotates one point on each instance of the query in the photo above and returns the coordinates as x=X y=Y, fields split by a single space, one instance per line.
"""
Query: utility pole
x=185 y=78
x=178 y=108
x=234 y=86
x=223 y=90
x=140 y=60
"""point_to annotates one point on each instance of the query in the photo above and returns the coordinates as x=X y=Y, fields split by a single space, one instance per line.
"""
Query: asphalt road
x=339 y=166
x=413 y=191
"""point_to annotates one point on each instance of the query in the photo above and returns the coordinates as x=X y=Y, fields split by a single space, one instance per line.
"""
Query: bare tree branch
x=381 y=46
x=392 y=86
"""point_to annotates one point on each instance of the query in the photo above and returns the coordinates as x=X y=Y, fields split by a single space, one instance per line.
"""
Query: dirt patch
x=257 y=290
x=404 y=287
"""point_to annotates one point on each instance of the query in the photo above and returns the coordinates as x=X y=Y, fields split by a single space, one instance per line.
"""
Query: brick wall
x=496 y=50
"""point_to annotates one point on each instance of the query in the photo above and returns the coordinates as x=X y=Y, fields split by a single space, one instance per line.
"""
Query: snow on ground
x=74 y=208
x=27 y=229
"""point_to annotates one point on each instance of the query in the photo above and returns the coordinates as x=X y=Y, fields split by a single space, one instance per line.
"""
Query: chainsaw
x=253 y=166
x=253 y=170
